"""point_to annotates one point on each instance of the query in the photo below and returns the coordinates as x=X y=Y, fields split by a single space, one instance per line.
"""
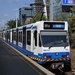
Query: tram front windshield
x=54 y=39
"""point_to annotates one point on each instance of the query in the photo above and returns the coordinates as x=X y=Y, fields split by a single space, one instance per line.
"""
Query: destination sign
x=53 y=25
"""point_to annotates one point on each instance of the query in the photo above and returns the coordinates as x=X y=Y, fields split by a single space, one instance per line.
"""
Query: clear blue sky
x=9 y=9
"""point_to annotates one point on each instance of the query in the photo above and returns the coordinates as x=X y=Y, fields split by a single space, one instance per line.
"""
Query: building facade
x=57 y=7
x=25 y=13
x=38 y=7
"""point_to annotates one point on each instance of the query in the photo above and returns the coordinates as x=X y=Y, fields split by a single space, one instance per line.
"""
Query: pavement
x=13 y=64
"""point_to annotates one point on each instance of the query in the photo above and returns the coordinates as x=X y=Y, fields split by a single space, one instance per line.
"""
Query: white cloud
x=6 y=15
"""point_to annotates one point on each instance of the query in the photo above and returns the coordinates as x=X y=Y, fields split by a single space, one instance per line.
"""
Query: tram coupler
x=60 y=69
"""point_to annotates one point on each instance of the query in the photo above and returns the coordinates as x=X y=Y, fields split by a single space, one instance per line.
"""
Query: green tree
x=37 y=17
x=61 y=17
x=72 y=20
x=72 y=27
x=12 y=24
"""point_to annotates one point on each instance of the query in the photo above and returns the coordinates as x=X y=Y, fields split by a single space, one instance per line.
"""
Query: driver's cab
x=54 y=40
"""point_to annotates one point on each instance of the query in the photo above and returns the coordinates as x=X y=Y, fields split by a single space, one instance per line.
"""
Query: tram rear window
x=54 y=25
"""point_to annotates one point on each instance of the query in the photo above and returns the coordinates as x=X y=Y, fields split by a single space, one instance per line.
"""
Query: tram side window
x=29 y=37
x=17 y=35
x=8 y=35
x=20 y=36
x=24 y=35
x=35 y=37
x=12 y=35
x=39 y=41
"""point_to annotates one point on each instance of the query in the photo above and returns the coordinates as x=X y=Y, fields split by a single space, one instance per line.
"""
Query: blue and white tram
x=48 y=37
x=44 y=41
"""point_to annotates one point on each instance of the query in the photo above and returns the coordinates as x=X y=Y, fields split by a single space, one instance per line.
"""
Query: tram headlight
x=67 y=54
x=46 y=56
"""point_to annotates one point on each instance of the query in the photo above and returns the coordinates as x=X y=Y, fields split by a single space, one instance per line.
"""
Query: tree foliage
x=72 y=20
x=72 y=27
x=12 y=24
x=62 y=16
x=38 y=17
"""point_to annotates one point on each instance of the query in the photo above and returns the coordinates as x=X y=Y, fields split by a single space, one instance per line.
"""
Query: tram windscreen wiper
x=51 y=45
x=65 y=44
x=56 y=42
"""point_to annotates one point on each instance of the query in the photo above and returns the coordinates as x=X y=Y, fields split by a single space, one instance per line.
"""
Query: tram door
x=34 y=39
x=31 y=41
x=20 y=41
x=28 y=40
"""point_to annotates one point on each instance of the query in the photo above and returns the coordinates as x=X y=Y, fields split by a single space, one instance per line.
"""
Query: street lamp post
x=16 y=21
x=51 y=10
